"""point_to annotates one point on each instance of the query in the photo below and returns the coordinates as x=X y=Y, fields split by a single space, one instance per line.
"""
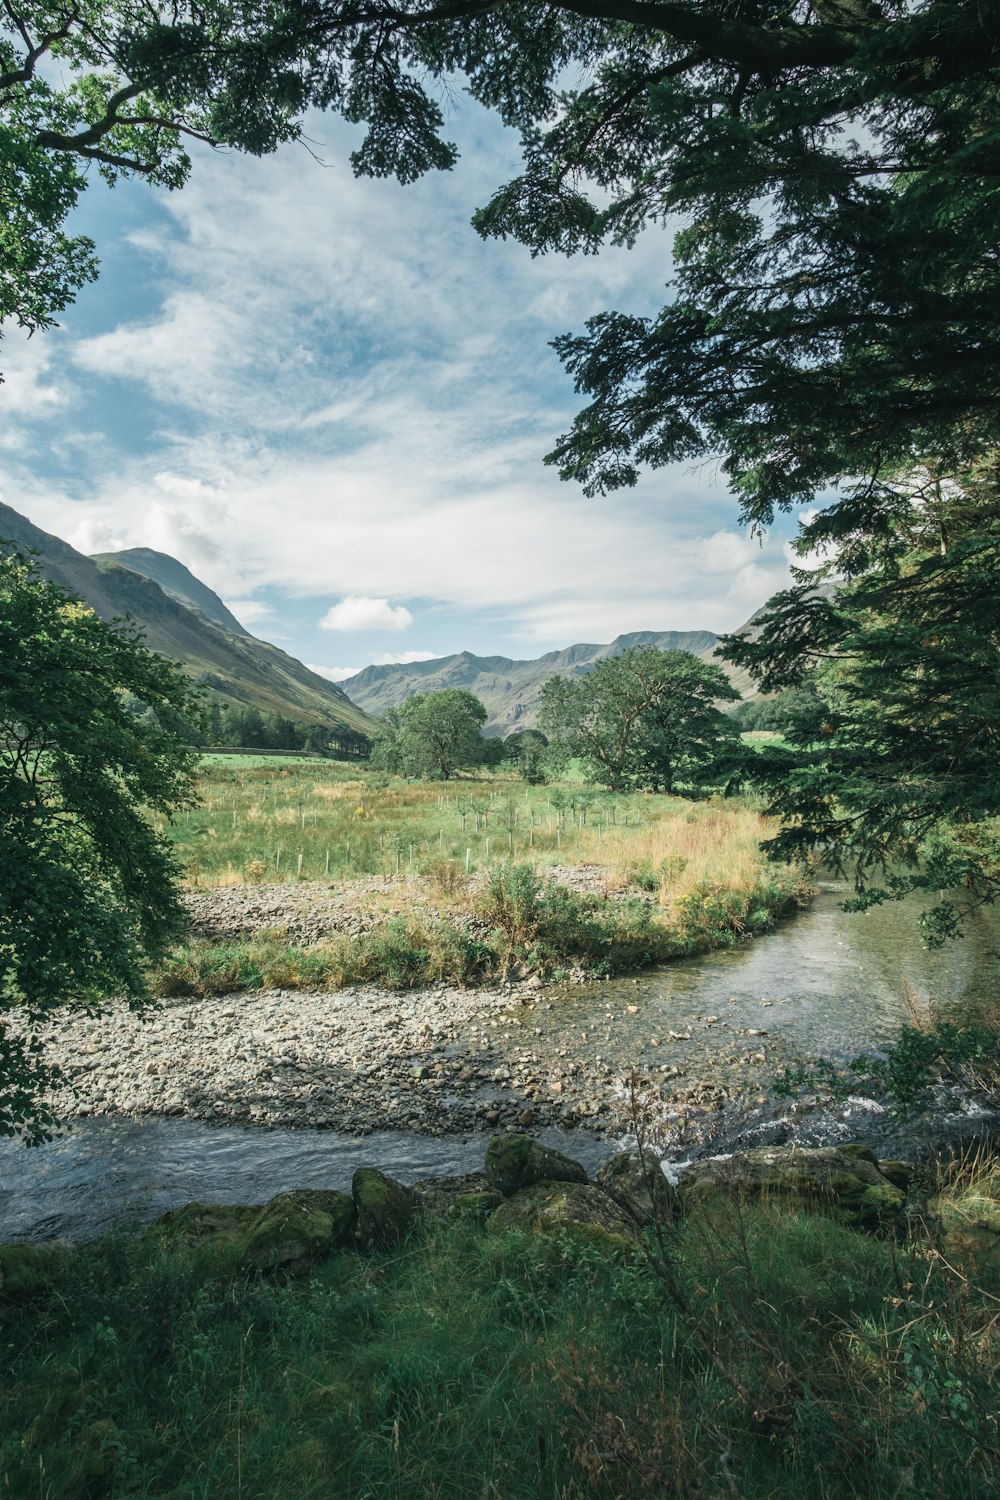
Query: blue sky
x=330 y=400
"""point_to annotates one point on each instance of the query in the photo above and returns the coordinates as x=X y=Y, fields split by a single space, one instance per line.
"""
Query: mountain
x=185 y=621
x=509 y=689
x=174 y=579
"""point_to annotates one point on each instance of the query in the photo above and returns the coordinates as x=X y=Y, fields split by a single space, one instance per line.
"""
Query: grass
x=284 y=819
x=508 y=1367
x=680 y=877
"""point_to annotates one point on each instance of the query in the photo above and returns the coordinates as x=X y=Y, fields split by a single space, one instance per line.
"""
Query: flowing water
x=825 y=982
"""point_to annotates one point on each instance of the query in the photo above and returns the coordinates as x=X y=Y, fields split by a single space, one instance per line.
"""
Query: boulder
x=845 y=1182
x=384 y=1207
x=577 y=1208
x=291 y=1230
x=468 y=1195
x=218 y=1228
x=969 y=1217
x=28 y=1270
x=641 y=1191
x=295 y=1229
x=516 y=1161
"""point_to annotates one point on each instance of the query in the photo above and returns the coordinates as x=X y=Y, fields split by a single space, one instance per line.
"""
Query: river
x=824 y=982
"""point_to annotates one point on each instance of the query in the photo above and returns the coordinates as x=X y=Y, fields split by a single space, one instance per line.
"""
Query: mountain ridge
x=509 y=688
x=236 y=667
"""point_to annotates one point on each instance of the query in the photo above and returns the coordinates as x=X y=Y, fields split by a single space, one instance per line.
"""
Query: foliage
x=900 y=774
x=246 y=726
x=835 y=299
x=487 y=1365
x=88 y=889
x=646 y=719
x=526 y=749
x=432 y=734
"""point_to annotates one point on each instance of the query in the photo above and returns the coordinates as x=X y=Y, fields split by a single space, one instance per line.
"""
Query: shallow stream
x=824 y=982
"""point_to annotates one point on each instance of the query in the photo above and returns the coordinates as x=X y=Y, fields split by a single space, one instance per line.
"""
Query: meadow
x=661 y=876
x=273 y=820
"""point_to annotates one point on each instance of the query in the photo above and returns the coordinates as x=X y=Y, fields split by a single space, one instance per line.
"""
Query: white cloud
x=402 y=658
x=30 y=391
x=352 y=398
x=359 y=612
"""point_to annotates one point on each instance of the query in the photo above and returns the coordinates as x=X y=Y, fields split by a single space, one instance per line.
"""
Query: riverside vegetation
x=785 y=1332
x=476 y=879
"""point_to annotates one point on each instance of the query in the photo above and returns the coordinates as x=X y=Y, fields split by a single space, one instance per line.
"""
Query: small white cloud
x=359 y=612
x=333 y=674
x=402 y=658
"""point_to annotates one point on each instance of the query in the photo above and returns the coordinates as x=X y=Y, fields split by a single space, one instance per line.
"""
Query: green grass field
x=830 y=1364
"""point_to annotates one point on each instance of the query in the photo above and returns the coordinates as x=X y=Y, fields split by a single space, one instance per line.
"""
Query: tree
x=432 y=734
x=899 y=776
x=836 y=306
x=88 y=888
x=525 y=747
x=645 y=719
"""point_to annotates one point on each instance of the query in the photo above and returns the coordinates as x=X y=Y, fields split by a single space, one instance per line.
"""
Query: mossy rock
x=443 y=1197
x=969 y=1216
x=29 y=1270
x=294 y=1229
x=845 y=1184
x=516 y=1161
x=577 y=1208
x=478 y=1205
x=899 y=1173
x=213 y=1232
x=97 y=1450
x=641 y=1190
x=384 y=1207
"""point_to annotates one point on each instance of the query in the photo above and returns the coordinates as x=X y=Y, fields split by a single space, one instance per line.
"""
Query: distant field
x=267 y=819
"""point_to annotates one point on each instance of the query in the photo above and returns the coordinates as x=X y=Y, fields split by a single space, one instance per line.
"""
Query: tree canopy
x=646 y=719
x=835 y=303
x=432 y=734
x=899 y=773
x=88 y=888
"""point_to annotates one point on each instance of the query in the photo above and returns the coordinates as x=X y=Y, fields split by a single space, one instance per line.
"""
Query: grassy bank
x=676 y=878
x=518 y=921
x=462 y=1365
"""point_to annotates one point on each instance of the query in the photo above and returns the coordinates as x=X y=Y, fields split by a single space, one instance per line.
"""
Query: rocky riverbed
x=437 y=1060
x=440 y=1060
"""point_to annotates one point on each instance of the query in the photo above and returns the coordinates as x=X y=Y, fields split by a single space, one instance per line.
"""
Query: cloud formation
x=352 y=398
x=359 y=612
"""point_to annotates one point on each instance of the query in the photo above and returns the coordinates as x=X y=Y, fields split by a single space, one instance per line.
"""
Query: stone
x=29 y=1270
x=97 y=1450
x=844 y=1183
x=295 y=1229
x=641 y=1191
x=517 y=1161
x=576 y=1208
x=969 y=1216
x=383 y=1206
x=218 y=1226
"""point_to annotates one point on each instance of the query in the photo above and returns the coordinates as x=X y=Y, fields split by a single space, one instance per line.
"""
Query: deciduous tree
x=645 y=719
x=432 y=734
x=88 y=888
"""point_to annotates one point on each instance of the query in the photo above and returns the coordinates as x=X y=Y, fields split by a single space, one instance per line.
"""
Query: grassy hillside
x=176 y=580
x=238 y=668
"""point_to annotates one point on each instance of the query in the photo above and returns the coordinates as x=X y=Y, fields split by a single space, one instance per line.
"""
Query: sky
x=331 y=400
